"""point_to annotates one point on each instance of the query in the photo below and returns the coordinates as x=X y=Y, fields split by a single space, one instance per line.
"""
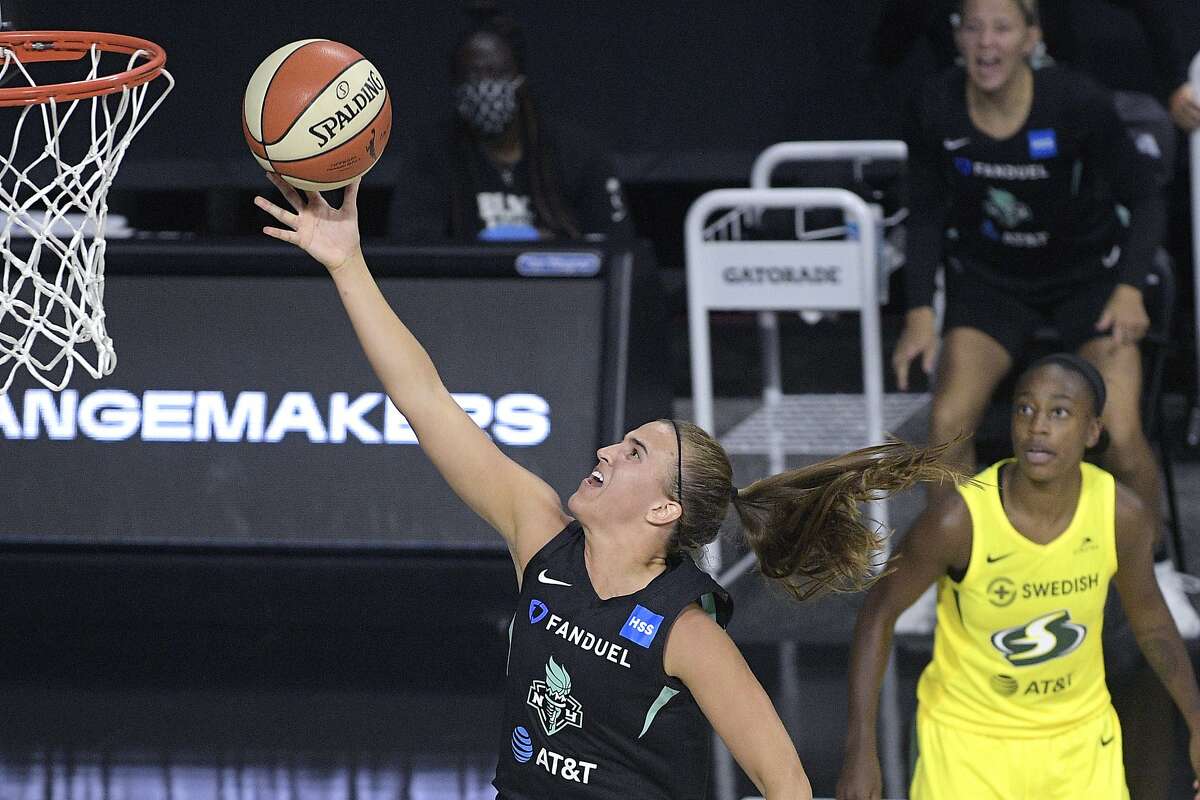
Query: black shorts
x=1012 y=319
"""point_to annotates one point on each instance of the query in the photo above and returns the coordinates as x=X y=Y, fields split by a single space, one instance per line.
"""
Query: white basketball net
x=53 y=210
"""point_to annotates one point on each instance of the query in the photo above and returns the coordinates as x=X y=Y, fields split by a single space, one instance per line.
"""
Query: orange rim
x=33 y=46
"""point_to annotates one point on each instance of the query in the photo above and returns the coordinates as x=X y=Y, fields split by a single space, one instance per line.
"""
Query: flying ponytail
x=804 y=524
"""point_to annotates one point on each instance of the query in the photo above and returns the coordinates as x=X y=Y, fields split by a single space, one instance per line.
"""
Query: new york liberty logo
x=1040 y=640
x=1005 y=208
x=553 y=702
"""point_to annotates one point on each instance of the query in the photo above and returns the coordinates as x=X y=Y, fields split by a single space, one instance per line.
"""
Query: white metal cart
x=813 y=273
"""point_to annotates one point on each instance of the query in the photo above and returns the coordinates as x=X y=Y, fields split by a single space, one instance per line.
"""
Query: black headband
x=1091 y=376
x=678 y=463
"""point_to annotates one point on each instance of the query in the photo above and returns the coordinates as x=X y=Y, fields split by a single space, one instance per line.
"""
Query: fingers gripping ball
x=317 y=113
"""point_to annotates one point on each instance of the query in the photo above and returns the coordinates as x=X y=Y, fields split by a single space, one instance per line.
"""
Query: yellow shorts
x=1079 y=764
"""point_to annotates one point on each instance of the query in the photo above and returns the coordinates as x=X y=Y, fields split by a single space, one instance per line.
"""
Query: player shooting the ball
x=619 y=660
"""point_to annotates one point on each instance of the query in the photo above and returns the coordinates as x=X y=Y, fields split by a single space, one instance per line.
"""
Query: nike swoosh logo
x=1106 y=742
x=993 y=559
x=543 y=578
x=955 y=144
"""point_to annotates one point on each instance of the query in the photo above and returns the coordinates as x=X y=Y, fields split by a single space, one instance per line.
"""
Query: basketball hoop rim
x=33 y=46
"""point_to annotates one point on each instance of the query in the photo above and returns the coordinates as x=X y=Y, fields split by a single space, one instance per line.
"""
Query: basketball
x=317 y=113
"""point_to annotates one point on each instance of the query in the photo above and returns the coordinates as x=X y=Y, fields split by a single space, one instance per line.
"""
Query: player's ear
x=1033 y=42
x=956 y=29
x=664 y=513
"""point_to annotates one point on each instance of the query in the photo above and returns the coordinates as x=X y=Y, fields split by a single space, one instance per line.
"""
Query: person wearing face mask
x=1013 y=705
x=619 y=662
x=498 y=169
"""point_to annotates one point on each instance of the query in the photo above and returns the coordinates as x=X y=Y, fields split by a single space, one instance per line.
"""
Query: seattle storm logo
x=553 y=702
x=1049 y=636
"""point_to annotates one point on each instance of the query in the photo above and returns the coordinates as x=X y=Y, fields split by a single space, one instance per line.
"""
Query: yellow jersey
x=1017 y=648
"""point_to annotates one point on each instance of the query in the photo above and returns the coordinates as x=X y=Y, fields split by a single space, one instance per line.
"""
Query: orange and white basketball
x=317 y=113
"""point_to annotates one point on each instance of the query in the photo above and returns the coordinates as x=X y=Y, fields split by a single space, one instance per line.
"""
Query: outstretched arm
x=522 y=507
x=1149 y=617
x=702 y=655
x=939 y=540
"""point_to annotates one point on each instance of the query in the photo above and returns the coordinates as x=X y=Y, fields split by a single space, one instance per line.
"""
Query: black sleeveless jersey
x=589 y=711
x=1035 y=212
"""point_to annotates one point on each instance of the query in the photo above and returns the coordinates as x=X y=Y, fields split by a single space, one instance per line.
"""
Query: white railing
x=843 y=277
x=860 y=257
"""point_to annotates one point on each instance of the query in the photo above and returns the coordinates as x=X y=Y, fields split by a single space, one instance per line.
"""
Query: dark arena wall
x=243 y=579
x=650 y=79
x=680 y=90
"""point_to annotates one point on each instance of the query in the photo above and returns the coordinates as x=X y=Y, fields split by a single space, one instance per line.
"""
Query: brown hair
x=804 y=524
x=1029 y=10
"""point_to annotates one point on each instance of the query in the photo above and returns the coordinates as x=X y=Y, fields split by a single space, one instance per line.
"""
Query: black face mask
x=488 y=105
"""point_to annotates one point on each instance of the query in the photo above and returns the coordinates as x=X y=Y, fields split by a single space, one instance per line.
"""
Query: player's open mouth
x=595 y=479
x=1038 y=455
x=989 y=65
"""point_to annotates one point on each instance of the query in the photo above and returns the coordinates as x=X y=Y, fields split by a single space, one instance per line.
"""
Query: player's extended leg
x=970 y=367
x=1129 y=457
